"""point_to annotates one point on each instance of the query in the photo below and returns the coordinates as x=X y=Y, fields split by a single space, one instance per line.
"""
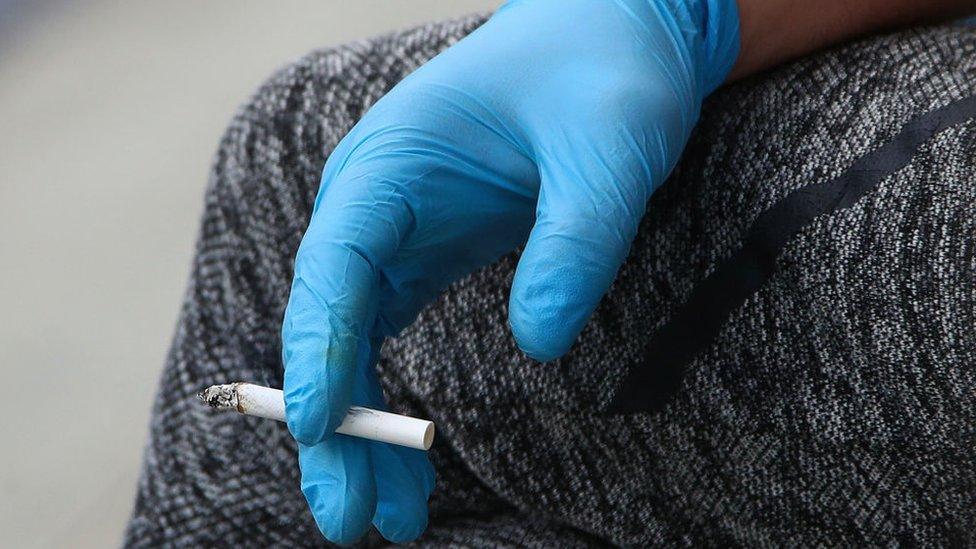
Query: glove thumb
x=586 y=219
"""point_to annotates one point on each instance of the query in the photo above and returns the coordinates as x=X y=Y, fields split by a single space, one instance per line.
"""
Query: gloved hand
x=553 y=122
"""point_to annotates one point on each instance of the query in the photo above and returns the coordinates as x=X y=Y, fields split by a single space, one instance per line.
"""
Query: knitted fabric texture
x=834 y=405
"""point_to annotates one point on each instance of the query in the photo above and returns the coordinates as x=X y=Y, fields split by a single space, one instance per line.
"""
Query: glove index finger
x=320 y=347
x=356 y=228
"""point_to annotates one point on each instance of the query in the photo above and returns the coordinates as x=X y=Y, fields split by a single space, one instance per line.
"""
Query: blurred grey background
x=109 y=114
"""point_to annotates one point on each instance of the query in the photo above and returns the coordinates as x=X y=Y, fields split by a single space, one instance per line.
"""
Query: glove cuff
x=711 y=31
x=721 y=48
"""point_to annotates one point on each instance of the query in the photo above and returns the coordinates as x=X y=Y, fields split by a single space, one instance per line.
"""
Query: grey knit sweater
x=787 y=357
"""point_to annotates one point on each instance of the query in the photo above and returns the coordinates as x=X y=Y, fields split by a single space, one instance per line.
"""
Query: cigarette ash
x=220 y=397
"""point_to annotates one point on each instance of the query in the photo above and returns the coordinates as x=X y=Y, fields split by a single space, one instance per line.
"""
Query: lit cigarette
x=255 y=400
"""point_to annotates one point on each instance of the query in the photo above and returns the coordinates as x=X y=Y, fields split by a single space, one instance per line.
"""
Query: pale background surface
x=109 y=114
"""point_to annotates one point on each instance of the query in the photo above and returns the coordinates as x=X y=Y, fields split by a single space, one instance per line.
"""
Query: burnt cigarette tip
x=221 y=397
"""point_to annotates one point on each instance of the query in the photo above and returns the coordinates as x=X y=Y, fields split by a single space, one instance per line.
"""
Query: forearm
x=773 y=31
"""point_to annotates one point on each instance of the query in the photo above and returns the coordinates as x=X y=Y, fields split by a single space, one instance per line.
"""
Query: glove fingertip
x=340 y=494
x=306 y=422
x=539 y=333
x=401 y=519
x=400 y=527
x=340 y=520
x=404 y=481
x=536 y=346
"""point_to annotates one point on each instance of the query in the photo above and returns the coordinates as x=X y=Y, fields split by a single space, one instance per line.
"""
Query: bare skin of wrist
x=774 y=31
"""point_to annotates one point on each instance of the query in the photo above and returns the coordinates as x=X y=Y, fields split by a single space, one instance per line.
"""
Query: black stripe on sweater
x=650 y=385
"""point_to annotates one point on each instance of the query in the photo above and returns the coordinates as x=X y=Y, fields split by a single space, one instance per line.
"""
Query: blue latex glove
x=554 y=122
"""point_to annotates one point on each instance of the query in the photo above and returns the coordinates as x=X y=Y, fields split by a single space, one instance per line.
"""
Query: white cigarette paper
x=255 y=400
